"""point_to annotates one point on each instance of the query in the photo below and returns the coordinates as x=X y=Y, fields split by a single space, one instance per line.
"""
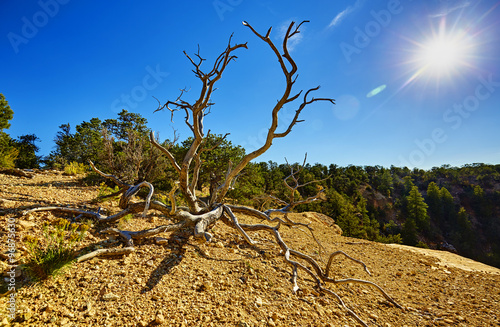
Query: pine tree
x=417 y=209
x=8 y=153
x=434 y=202
x=6 y=113
x=409 y=232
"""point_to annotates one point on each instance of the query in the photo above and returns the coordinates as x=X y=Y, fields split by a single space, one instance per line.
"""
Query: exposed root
x=105 y=252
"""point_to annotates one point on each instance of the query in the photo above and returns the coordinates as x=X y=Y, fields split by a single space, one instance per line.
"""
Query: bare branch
x=115 y=179
x=165 y=151
x=290 y=78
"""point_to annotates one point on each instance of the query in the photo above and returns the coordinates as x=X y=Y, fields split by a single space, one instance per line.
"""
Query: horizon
x=415 y=83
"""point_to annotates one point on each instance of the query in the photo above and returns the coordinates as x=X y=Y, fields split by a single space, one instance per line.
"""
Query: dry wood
x=200 y=216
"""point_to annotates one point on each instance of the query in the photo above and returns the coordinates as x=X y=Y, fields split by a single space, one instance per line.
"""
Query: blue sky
x=417 y=83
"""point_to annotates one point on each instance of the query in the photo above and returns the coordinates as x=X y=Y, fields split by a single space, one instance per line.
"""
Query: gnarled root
x=316 y=272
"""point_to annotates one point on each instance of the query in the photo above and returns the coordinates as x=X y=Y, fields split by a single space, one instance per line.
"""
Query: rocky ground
x=175 y=281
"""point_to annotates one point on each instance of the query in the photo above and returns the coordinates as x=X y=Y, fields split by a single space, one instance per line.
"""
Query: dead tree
x=200 y=215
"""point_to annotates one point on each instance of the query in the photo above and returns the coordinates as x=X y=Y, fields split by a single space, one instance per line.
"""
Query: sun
x=442 y=55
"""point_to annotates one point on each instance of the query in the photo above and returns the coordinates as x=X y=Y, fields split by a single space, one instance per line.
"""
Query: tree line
x=452 y=208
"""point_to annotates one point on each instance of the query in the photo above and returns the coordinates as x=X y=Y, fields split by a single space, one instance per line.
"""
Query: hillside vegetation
x=450 y=208
x=172 y=280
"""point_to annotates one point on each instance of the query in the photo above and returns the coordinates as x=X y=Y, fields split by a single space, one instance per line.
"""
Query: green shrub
x=105 y=191
x=122 y=223
x=55 y=250
x=390 y=239
x=422 y=245
x=75 y=168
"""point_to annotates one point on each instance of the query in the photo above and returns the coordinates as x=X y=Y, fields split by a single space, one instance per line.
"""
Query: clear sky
x=417 y=83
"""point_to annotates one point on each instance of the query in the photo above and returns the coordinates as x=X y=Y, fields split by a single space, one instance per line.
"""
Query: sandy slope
x=448 y=259
x=229 y=283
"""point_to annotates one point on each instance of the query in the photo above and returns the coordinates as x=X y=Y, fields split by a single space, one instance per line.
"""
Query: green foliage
x=75 y=168
x=6 y=113
x=86 y=144
x=442 y=209
x=478 y=192
x=119 y=146
x=372 y=202
x=417 y=209
x=126 y=122
x=390 y=239
x=8 y=153
x=422 y=245
x=216 y=154
x=27 y=149
x=49 y=255
x=124 y=221
x=434 y=201
x=105 y=191
x=409 y=232
x=249 y=185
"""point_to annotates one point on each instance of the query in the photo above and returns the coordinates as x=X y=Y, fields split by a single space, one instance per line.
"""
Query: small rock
x=373 y=316
x=258 y=301
x=271 y=322
x=160 y=319
x=138 y=280
x=110 y=297
x=161 y=240
x=219 y=245
x=150 y=263
x=4 y=203
x=242 y=324
x=48 y=308
x=23 y=224
x=27 y=314
x=207 y=286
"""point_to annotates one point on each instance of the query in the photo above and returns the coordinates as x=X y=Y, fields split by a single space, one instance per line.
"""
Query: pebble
x=48 y=308
x=23 y=224
x=161 y=240
x=110 y=297
x=160 y=319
